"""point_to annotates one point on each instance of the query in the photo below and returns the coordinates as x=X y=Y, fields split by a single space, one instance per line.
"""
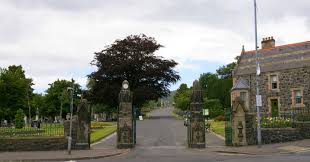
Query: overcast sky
x=55 y=39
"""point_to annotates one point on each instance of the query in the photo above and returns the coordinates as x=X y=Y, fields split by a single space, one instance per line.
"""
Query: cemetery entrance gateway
x=126 y=125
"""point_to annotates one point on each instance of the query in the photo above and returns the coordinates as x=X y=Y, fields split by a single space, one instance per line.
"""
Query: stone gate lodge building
x=284 y=79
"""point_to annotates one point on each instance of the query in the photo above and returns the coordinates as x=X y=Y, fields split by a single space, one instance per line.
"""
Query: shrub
x=19 y=119
x=276 y=122
x=219 y=118
x=215 y=107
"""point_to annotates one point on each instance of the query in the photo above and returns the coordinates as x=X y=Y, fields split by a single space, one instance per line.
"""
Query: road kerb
x=65 y=158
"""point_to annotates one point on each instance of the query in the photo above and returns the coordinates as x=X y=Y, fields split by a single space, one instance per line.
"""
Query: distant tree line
x=17 y=96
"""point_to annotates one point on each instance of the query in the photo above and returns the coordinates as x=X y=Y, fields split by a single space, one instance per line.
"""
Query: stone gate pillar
x=197 y=122
x=83 y=126
x=124 y=124
x=238 y=123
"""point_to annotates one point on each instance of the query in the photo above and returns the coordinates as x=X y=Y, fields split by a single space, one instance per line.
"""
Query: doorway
x=274 y=107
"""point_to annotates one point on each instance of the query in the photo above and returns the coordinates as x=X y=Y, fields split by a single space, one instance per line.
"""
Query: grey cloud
x=235 y=15
x=44 y=64
x=69 y=5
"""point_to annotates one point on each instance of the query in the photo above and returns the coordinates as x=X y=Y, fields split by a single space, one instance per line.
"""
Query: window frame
x=271 y=82
x=294 y=97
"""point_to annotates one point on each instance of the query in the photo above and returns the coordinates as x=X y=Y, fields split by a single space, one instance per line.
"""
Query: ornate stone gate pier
x=196 y=129
x=125 y=135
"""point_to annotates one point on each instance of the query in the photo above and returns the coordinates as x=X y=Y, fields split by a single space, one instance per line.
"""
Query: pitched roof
x=283 y=57
x=241 y=84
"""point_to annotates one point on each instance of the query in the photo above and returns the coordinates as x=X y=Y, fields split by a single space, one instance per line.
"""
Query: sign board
x=140 y=117
x=205 y=112
x=259 y=100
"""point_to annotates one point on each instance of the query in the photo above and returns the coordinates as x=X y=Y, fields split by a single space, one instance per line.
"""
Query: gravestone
x=197 y=122
x=124 y=124
x=83 y=129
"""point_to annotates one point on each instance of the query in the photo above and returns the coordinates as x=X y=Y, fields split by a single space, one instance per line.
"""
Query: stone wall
x=288 y=79
x=33 y=144
x=278 y=135
x=275 y=135
x=304 y=129
x=44 y=143
x=250 y=129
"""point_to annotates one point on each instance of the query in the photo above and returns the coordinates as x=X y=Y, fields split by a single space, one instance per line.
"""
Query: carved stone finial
x=197 y=92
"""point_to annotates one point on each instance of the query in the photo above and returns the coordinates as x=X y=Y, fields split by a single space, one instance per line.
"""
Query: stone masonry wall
x=275 y=135
x=278 y=135
x=304 y=129
x=288 y=79
x=250 y=129
x=33 y=144
x=42 y=143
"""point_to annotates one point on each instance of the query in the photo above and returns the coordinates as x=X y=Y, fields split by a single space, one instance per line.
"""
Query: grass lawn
x=95 y=124
x=218 y=127
x=98 y=134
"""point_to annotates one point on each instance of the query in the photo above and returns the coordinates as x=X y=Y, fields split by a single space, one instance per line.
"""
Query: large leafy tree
x=15 y=91
x=218 y=85
x=57 y=98
x=131 y=59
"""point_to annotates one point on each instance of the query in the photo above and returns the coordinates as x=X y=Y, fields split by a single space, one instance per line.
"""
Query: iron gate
x=134 y=119
x=228 y=129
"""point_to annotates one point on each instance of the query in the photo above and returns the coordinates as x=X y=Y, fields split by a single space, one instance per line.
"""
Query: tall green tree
x=215 y=107
x=225 y=71
x=218 y=85
x=182 y=97
x=38 y=103
x=15 y=92
x=57 y=98
x=131 y=59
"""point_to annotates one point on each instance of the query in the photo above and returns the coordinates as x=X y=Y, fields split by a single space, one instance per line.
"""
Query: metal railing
x=39 y=130
x=287 y=119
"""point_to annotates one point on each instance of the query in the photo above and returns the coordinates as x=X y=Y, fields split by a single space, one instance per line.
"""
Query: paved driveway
x=163 y=139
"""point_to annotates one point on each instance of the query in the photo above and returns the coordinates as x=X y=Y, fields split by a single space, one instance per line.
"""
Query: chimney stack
x=268 y=42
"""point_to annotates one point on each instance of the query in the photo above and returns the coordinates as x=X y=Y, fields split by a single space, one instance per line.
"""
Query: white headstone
x=25 y=119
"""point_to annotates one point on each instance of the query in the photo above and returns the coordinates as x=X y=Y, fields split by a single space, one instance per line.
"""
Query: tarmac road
x=162 y=138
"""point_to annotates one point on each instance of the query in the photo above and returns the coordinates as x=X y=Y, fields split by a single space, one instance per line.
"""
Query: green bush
x=19 y=119
x=215 y=107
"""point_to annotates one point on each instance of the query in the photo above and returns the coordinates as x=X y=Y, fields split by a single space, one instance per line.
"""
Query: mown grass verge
x=98 y=134
x=218 y=127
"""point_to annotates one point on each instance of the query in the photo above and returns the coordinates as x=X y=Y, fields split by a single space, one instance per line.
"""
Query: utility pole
x=71 y=89
x=28 y=102
x=258 y=96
